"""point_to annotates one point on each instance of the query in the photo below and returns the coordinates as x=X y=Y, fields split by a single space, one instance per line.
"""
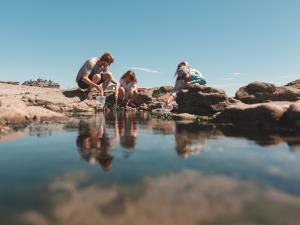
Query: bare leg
x=132 y=96
x=107 y=76
x=121 y=95
x=96 y=78
x=116 y=94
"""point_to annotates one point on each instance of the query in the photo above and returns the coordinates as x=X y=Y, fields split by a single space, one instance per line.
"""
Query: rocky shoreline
x=258 y=105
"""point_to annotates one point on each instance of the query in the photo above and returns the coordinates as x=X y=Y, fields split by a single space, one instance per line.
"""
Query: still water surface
x=133 y=169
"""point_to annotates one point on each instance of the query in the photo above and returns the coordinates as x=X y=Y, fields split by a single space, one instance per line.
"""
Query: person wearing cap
x=94 y=72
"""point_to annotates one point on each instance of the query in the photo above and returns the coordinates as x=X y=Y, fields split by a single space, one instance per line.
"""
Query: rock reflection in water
x=190 y=138
x=35 y=129
x=96 y=145
x=264 y=138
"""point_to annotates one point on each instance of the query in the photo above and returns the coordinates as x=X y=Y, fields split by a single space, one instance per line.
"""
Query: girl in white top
x=128 y=88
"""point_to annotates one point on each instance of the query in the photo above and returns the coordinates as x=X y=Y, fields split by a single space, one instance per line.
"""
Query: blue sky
x=233 y=42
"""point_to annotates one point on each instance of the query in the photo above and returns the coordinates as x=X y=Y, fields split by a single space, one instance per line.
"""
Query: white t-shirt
x=127 y=86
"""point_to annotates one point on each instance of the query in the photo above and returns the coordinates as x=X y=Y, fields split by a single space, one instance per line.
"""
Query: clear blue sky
x=233 y=42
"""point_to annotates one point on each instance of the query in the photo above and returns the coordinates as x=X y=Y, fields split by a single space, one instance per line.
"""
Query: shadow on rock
x=74 y=93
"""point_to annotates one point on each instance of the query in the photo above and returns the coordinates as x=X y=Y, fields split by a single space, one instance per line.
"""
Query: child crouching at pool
x=184 y=74
x=127 y=90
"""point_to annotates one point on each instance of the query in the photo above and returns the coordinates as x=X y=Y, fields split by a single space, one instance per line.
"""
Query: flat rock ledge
x=20 y=105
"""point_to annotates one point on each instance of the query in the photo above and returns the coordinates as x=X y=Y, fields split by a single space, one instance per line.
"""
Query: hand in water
x=166 y=108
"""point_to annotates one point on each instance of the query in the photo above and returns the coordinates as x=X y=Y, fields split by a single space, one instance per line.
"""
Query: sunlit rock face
x=22 y=104
x=257 y=92
x=187 y=197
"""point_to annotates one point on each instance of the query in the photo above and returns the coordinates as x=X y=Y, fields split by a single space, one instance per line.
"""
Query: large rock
x=257 y=92
x=294 y=84
x=291 y=118
x=262 y=115
x=143 y=98
x=201 y=100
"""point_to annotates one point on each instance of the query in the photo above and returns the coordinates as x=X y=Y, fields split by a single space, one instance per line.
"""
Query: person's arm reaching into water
x=114 y=81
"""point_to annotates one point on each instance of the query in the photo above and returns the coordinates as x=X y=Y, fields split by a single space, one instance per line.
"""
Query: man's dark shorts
x=83 y=85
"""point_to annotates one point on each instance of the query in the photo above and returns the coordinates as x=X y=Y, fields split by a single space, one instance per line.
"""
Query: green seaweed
x=202 y=118
x=117 y=108
x=165 y=116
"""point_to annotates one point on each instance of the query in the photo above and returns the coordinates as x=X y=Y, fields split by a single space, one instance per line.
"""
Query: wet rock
x=258 y=92
x=184 y=116
x=143 y=98
x=130 y=109
x=155 y=105
x=144 y=107
x=201 y=100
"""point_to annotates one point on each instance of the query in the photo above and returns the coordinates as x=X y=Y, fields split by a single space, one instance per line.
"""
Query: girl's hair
x=131 y=76
x=181 y=64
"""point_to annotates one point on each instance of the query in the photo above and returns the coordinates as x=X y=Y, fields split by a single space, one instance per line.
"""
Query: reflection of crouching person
x=95 y=72
x=128 y=89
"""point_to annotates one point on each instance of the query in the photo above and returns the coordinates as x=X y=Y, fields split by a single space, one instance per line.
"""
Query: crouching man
x=94 y=72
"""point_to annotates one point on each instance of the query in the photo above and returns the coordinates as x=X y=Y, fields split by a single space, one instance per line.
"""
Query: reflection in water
x=126 y=127
x=264 y=138
x=190 y=138
x=35 y=129
x=187 y=197
x=94 y=144
x=250 y=182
